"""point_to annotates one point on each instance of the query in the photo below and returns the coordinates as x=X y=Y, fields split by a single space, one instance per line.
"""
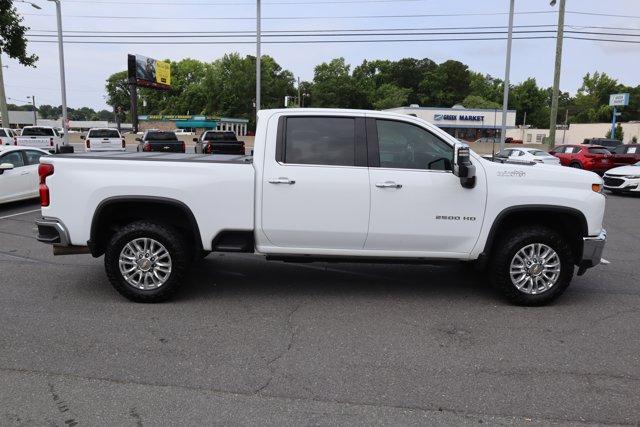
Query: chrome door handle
x=388 y=184
x=282 y=180
x=24 y=173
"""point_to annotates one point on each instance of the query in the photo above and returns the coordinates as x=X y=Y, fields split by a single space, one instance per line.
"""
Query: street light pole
x=63 y=87
x=35 y=114
x=556 y=74
x=258 y=56
x=505 y=100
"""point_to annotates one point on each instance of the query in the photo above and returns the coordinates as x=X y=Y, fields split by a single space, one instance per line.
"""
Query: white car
x=6 y=136
x=529 y=155
x=104 y=139
x=624 y=179
x=19 y=172
x=326 y=185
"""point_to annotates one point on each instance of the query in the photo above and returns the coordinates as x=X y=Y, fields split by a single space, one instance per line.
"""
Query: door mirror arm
x=463 y=168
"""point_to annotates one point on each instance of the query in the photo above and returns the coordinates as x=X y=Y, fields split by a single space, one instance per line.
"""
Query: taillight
x=184 y=147
x=44 y=170
x=51 y=142
x=88 y=143
x=15 y=140
x=123 y=143
x=146 y=147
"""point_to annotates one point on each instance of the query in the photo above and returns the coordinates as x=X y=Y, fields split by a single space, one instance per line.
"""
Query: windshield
x=37 y=132
x=162 y=136
x=103 y=133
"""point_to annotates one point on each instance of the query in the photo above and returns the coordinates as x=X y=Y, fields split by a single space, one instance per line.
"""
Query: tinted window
x=219 y=136
x=162 y=136
x=598 y=151
x=15 y=158
x=3 y=133
x=406 y=146
x=320 y=141
x=539 y=153
x=103 y=133
x=37 y=132
x=33 y=156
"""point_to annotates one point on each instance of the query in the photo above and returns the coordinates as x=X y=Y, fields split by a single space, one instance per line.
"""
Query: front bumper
x=592 y=248
x=53 y=232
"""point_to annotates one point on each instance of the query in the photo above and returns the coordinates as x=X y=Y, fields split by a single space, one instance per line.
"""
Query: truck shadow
x=231 y=276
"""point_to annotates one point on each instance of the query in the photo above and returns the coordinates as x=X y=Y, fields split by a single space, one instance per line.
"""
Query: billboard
x=619 y=100
x=149 y=72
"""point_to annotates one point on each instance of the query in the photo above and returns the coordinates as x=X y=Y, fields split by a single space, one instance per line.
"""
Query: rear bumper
x=592 y=248
x=53 y=232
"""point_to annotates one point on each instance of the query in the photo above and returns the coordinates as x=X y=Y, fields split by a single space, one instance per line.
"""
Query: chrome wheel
x=145 y=263
x=535 y=269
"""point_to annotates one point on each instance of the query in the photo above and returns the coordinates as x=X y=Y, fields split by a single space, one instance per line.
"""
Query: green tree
x=13 y=40
x=118 y=94
x=592 y=100
x=475 y=101
x=333 y=86
x=527 y=97
x=389 y=96
x=446 y=85
x=619 y=133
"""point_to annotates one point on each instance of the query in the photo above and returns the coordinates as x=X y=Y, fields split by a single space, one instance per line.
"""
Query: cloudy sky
x=88 y=65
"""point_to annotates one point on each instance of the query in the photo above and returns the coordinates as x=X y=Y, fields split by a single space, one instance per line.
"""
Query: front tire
x=532 y=266
x=146 y=261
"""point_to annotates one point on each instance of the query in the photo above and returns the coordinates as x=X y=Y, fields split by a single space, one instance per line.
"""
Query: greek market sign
x=456 y=117
x=619 y=100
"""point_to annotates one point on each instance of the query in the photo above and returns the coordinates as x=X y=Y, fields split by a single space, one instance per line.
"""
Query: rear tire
x=135 y=272
x=538 y=283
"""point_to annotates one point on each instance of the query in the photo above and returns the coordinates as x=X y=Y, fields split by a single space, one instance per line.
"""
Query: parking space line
x=20 y=213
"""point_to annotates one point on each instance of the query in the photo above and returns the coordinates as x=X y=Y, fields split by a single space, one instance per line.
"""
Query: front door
x=417 y=203
x=316 y=192
x=15 y=183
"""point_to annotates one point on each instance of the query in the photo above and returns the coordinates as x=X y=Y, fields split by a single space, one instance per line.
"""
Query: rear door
x=315 y=192
x=417 y=203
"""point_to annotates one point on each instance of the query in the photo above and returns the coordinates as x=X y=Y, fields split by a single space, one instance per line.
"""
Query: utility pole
x=4 y=110
x=566 y=125
x=35 y=112
x=63 y=84
x=556 y=74
x=258 y=56
x=505 y=100
x=299 y=94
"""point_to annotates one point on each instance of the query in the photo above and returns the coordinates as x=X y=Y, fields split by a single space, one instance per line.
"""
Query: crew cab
x=594 y=158
x=216 y=142
x=163 y=141
x=326 y=185
x=104 y=139
x=43 y=137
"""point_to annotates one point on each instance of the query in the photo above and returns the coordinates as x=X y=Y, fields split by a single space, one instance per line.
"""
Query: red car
x=594 y=158
x=628 y=154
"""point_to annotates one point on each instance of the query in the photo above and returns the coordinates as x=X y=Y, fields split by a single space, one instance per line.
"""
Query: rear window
x=598 y=151
x=37 y=132
x=220 y=136
x=320 y=141
x=162 y=136
x=103 y=133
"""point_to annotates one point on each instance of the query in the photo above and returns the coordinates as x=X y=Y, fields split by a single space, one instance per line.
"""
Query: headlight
x=632 y=176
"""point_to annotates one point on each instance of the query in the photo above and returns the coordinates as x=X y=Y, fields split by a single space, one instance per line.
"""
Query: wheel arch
x=116 y=211
x=569 y=222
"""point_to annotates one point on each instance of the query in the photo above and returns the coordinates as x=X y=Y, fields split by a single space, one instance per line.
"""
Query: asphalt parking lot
x=251 y=342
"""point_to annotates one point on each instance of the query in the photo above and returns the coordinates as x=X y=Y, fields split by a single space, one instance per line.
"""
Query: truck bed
x=161 y=157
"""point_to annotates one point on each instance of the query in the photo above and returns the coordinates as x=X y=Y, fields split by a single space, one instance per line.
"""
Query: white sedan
x=529 y=155
x=625 y=179
x=19 y=172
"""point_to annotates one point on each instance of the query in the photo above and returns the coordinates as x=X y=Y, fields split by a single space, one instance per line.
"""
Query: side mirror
x=195 y=139
x=139 y=139
x=462 y=166
x=5 y=167
x=82 y=137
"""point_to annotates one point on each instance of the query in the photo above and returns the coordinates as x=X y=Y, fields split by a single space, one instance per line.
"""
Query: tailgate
x=35 y=141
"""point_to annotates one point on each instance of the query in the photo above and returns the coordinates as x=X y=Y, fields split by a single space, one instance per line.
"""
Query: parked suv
x=627 y=154
x=594 y=158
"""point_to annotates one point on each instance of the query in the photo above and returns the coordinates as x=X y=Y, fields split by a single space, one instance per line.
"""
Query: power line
x=243 y=3
x=252 y=18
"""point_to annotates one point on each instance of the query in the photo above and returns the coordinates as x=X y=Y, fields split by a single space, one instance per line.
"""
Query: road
x=254 y=343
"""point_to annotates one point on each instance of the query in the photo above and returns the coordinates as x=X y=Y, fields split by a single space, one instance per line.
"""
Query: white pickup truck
x=43 y=137
x=326 y=185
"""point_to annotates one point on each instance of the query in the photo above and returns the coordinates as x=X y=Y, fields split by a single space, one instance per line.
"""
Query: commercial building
x=193 y=123
x=468 y=124
x=576 y=133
